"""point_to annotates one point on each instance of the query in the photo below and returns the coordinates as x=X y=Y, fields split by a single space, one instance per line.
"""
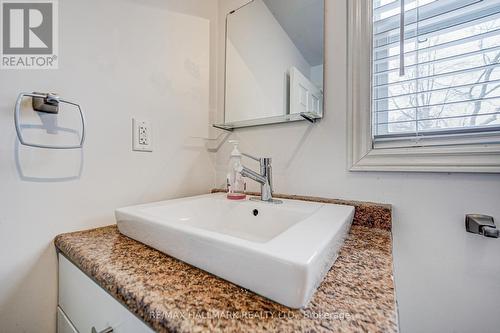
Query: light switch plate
x=141 y=135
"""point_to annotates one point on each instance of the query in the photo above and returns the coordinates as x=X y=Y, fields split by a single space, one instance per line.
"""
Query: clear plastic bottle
x=235 y=181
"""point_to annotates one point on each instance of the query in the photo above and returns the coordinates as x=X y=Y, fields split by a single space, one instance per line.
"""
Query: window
x=448 y=79
x=434 y=87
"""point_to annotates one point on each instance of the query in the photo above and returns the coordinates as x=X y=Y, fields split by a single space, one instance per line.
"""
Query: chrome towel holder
x=47 y=103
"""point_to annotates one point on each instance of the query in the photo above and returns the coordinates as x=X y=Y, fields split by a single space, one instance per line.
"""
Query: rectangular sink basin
x=281 y=252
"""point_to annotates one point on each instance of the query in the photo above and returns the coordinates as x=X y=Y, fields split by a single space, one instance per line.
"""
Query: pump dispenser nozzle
x=235 y=151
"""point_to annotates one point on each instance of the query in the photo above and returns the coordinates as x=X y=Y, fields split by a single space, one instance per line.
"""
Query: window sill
x=477 y=159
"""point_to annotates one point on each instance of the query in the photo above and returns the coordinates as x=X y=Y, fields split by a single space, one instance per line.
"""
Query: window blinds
x=445 y=78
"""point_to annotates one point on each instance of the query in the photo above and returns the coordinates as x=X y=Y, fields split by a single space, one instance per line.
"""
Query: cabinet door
x=88 y=306
x=304 y=95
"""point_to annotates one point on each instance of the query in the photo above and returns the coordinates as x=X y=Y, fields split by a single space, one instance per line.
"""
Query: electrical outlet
x=141 y=135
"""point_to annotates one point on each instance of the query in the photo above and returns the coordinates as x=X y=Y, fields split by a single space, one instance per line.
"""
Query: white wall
x=447 y=280
x=260 y=53
x=119 y=59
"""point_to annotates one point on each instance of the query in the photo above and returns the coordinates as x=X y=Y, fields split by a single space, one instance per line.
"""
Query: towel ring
x=54 y=101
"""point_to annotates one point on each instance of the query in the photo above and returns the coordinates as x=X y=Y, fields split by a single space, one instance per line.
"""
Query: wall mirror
x=274 y=63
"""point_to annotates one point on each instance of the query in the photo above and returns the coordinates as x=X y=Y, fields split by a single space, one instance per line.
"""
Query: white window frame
x=452 y=156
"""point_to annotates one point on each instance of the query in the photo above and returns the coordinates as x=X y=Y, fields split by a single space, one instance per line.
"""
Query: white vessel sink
x=281 y=252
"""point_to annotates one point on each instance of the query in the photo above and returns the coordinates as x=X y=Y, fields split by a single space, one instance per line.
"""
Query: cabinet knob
x=106 y=330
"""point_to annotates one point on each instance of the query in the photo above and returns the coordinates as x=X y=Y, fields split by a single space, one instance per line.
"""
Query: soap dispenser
x=235 y=181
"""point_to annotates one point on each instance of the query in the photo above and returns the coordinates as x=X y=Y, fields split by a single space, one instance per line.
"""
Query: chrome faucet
x=265 y=178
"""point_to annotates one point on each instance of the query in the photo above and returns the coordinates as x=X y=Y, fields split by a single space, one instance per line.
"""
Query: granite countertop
x=169 y=295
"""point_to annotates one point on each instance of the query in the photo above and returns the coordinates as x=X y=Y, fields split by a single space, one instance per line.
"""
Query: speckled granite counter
x=357 y=294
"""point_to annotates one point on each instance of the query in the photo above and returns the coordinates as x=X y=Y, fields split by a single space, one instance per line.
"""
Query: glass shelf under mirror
x=309 y=116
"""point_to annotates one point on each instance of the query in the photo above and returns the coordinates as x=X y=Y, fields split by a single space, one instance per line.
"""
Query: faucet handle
x=258 y=159
x=252 y=157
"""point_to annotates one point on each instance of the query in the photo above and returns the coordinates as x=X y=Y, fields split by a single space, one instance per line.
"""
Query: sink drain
x=255 y=212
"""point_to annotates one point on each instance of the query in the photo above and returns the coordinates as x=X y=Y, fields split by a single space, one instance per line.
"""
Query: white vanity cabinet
x=85 y=307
